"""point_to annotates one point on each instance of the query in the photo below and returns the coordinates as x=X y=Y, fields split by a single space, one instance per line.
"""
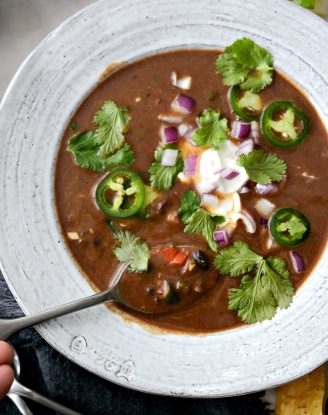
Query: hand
x=6 y=371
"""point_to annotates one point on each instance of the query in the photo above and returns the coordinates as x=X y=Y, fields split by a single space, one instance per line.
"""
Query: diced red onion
x=184 y=128
x=244 y=189
x=164 y=289
x=240 y=129
x=264 y=222
x=297 y=261
x=182 y=83
x=205 y=186
x=170 y=119
x=183 y=104
x=271 y=243
x=255 y=132
x=264 y=189
x=236 y=202
x=170 y=134
x=174 y=78
x=189 y=136
x=249 y=222
x=221 y=237
x=245 y=147
x=210 y=200
x=247 y=218
x=190 y=165
x=227 y=173
x=169 y=157
x=264 y=207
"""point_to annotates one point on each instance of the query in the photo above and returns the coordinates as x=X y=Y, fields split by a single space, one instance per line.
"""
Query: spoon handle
x=21 y=390
x=10 y=326
x=20 y=404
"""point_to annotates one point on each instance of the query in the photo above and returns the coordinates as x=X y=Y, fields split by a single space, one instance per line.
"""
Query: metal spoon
x=10 y=326
x=17 y=390
x=113 y=293
x=17 y=400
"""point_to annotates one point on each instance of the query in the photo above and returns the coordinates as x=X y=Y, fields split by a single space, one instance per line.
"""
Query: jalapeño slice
x=284 y=125
x=247 y=106
x=121 y=193
x=289 y=227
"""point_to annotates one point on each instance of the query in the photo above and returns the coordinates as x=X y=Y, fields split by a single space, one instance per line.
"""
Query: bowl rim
x=290 y=8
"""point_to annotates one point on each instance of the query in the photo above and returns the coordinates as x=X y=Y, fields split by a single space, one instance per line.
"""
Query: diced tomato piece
x=171 y=255
x=168 y=254
x=180 y=258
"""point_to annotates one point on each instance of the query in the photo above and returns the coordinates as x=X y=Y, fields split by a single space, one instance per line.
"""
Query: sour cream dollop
x=211 y=161
x=209 y=180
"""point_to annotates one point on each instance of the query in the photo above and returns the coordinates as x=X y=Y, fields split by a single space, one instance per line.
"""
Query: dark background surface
x=48 y=372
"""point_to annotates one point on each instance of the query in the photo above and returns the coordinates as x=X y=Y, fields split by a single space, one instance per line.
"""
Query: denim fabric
x=51 y=374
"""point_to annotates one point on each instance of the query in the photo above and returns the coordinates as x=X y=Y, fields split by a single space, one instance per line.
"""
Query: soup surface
x=145 y=88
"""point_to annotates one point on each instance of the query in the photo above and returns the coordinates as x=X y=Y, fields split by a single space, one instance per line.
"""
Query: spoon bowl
x=112 y=294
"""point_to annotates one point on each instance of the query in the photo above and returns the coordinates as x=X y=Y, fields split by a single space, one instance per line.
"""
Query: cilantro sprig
x=237 y=259
x=132 y=249
x=111 y=122
x=189 y=204
x=163 y=177
x=246 y=64
x=213 y=129
x=308 y=4
x=203 y=223
x=265 y=283
x=262 y=167
x=197 y=220
x=86 y=153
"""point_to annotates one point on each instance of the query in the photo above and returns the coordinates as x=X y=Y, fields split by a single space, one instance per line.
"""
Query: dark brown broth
x=150 y=80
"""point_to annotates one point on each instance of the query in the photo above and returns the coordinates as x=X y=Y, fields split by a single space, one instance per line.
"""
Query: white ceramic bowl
x=38 y=268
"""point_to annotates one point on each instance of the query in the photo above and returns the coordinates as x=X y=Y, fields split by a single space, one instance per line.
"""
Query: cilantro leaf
x=111 y=122
x=266 y=287
x=197 y=220
x=247 y=64
x=294 y=226
x=252 y=301
x=286 y=124
x=189 y=203
x=203 y=223
x=213 y=130
x=308 y=4
x=262 y=167
x=162 y=177
x=251 y=101
x=132 y=249
x=122 y=156
x=236 y=260
x=276 y=279
x=86 y=153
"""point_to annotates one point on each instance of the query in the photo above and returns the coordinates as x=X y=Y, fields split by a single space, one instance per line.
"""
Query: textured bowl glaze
x=38 y=268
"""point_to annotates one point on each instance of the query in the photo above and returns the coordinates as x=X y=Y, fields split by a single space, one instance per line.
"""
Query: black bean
x=201 y=260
